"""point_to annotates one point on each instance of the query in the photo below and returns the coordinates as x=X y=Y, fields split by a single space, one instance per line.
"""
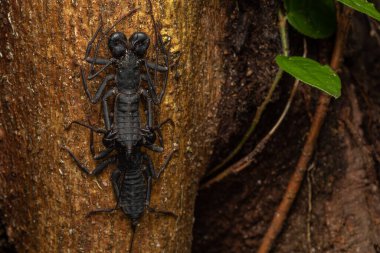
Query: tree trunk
x=224 y=73
x=45 y=197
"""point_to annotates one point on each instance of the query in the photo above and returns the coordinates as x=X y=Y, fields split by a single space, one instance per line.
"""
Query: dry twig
x=308 y=149
x=261 y=108
x=250 y=158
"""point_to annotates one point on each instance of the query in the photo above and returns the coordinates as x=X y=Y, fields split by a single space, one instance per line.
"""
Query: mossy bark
x=44 y=196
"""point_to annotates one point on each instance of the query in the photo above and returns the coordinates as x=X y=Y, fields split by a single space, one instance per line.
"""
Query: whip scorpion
x=123 y=136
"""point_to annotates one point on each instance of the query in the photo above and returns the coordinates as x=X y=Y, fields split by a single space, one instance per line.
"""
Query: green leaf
x=312 y=73
x=363 y=6
x=313 y=18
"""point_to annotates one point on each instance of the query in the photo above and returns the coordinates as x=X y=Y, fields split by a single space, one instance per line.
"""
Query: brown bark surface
x=44 y=196
x=224 y=73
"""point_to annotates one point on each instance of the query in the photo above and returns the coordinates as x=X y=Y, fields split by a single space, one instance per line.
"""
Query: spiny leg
x=100 y=90
x=166 y=162
x=159 y=47
x=157 y=99
x=155 y=148
x=92 y=76
x=146 y=132
x=117 y=180
x=105 y=109
x=162 y=212
x=148 y=106
x=99 y=168
x=151 y=169
x=156 y=67
x=98 y=61
x=114 y=179
x=149 y=174
x=158 y=130
x=101 y=210
x=103 y=153
x=89 y=45
x=82 y=123
x=152 y=88
x=93 y=129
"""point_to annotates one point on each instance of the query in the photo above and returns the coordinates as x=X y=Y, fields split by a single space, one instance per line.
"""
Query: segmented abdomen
x=127 y=119
x=133 y=193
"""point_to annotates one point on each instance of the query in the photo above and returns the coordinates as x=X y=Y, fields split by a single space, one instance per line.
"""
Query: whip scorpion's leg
x=98 y=169
x=105 y=108
x=93 y=129
x=100 y=90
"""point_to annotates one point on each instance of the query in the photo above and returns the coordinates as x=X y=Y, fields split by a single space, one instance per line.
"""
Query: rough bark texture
x=44 y=196
x=226 y=68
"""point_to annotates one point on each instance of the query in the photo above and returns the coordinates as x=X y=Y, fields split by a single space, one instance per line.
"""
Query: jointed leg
x=149 y=136
x=130 y=13
x=162 y=212
x=99 y=168
x=105 y=109
x=157 y=67
x=147 y=133
x=158 y=130
x=151 y=169
x=93 y=129
x=148 y=175
x=114 y=179
x=99 y=71
x=89 y=45
x=98 y=61
x=154 y=148
x=103 y=153
x=99 y=92
x=82 y=123
x=115 y=182
x=101 y=210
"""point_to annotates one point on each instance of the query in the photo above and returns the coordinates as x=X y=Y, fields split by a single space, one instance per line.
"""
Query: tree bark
x=45 y=197
x=225 y=70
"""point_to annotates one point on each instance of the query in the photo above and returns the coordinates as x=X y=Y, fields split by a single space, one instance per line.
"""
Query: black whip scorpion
x=133 y=176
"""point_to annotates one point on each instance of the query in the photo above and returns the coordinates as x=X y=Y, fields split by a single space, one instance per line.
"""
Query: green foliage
x=313 y=18
x=312 y=73
x=363 y=6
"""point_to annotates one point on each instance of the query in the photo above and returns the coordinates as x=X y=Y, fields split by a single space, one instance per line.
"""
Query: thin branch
x=261 y=108
x=309 y=178
x=295 y=182
x=250 y=158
